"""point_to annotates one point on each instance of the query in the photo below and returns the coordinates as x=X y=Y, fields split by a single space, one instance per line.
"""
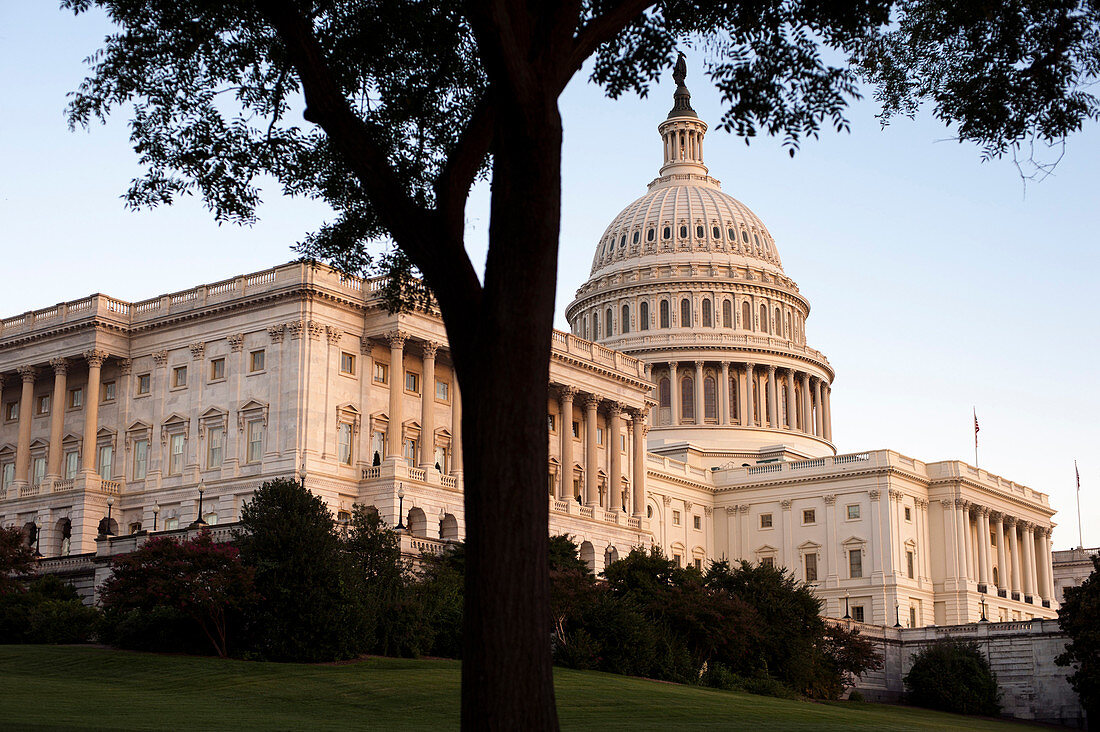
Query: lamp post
x=156 y=512
x=400 y=507
x=984 y=618
x=110 y=505
x=202 y=489
x=897 y=614
x=37 y=537
x=847 y=615
x=442 y=516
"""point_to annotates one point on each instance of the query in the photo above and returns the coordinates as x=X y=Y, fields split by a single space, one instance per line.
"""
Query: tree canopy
x=1079 y=619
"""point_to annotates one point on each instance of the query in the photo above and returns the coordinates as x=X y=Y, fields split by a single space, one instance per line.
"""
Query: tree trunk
x=503 y=362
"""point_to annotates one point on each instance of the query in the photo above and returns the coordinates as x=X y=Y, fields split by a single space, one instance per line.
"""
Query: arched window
x=732 y=235
x=650 y=234
x=643 y=316
x=734 y=403
x=746 y=316
x=764 y=317
x=687 y=399
x=624 y=324
x=608 y=323
x=700 y=232
x=716 y=232
x=667 y=233
x=727 y=314
x=584 y=328
x=664 y=313
x=710 y=398
x=778 y=322
x=595 y=326
x=664 y=392
x=744 y=236
x=790 y=335
x=635 y=238
x=685 y=313
x=706 y=314
x=622 y=241
x=683 y=232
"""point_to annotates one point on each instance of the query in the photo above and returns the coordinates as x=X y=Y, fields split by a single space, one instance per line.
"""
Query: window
x=171 y=524
x=811 y=567
x=764 y=318
x=707 y=314
x=38 y=470
x=727 y=314
x=347 y=363
x=909 y=516
x=746 y=316
x=576 y=430
x=551 y=422
x=442 y=390
x=106 y=459
x=650 y=234
x=71 y=464
x=624 y=324
x=595 y=325
x=685 y=313
x=765 y=520
x=675 y=518
x=853 y=512
x=217 y=369
x=687 y=398
x=410 y=449
x=11 y=411
x=412 y=382
x=698 y=564
x=809 y=516
x=683 y=232
x=643 y=316
x=649 y=511
x=855 y=563
x=678 y=558
x=381 y=373
x=700 y=232
x=767 y=562
x=42 y=404
x=179 y=377
x=144 y=384
x=664 y=314
x=599 y=435
x=141 y=458
x=175 y=455
x=255 y=441
x=76 y=398
x=666 y=233
x=697 y=523
x=7 y=475
x=215 y=449
x=343 y=443
x=909 y=564
x=857 y=613
x=664 y=392
x=108 y=393
x=377 y=446
x=913 y=616
x=608 y=324
x=716 y=232
x=441 y=458
x=256 y=361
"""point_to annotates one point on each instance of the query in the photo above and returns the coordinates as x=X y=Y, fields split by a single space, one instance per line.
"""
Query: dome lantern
x=682 y=132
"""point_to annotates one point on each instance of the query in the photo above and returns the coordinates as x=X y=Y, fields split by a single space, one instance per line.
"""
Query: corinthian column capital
x=95 y=358
x=28 y=373
x=60 y=365
x=429 y=349
x=397 y=338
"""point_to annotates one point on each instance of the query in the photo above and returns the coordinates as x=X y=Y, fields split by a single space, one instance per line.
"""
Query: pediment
x=853 y=541
x=809 y=545
x=213 y=413
x=175 y=419
x=251 y=405
x=348 y=409
x=554 y=461
x=39 y=443
x=767 y=549
x=105 y=432
x=138 y=426
x=6 y=448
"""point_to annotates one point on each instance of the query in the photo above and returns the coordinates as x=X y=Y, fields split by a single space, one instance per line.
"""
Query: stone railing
x=28 y=490
x=391 y=471
x=567 y=344
x=672 y=466
x=718 y=338
x=62 y=485
x=416 y=545
x=956 y=469
x=731 y=474
x=111 y=487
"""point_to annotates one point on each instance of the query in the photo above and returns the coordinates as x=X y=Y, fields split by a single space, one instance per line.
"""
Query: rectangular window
x=255 y=441
x=378 y=446
x=144 y=383
x=599 y=435
x=217 y=369
x=343 y=442
x=767 y=562
x=412 y=382
x=678 y=559
x=171 y=524
x=909 y=564
x=857 y=614
x=42 y=404
x=853 y=511
x=699 y=564
x=71 y=464
x=410 y=450
x=675 y=518
x=576 y=430
x=855 y=563
x=38 y=470
x=215 y=437
x=141 y=458
x=175 y=455
x=256 y=361
x=179 y=376
x=908 y=514
x=11 y=411
x=697 y=522
x=76 y=398
x=809 y=516
x=440 y=458
x=811 y=568
x=913 y=616
x=7 y=475
x=442 y=390
x=347 y=363
x=106 y=458
x=108 y=392
x=381 y=373
x=765 y=520
x=551 y=421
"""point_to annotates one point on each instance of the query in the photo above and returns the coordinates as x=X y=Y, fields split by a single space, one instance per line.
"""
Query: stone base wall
x=1020 y=653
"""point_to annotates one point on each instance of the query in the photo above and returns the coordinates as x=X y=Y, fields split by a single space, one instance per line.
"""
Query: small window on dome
x=683 y=232
x=757 y=238
x=635 y=239
x=700 y=232
x=668 y=232
x=650 y=234
x=744 y=236
x=716 y=233
x=733 y=235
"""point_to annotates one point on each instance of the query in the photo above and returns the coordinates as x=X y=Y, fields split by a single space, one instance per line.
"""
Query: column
x=750 y=395
x=949 y=530
x=1029 y=560
x=773 y=400
x=819 y=426
x=792 y=402
x=1048 y=562
x=427 y=407
x=699 y=413
x=1002 y=567
x=827 y=419
x=565 y=396
x=962 y=523
x=674 y=393
x=615 y=479
x=397 y=393
x=807 y=410
x=724 y=398
x=23 y=445
x=984 y=572
x=1014 y=548
x=591 y=459
x=456 y=426
x=639 y=487
x=95 y=361
x=57 y=417
x=1041 y=564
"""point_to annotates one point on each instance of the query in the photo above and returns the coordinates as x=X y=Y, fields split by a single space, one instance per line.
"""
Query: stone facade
x=1071 y=568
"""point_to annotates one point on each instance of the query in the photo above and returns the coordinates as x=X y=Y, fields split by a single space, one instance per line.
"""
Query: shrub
x=953 y=676
x=855 y=696
x=47 y=611
x=1079 y=619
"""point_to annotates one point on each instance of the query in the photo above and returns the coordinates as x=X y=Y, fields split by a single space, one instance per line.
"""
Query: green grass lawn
x=44 y=687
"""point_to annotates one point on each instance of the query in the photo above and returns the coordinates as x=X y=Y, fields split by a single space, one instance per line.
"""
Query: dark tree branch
x=464 y=162
x=599 y=30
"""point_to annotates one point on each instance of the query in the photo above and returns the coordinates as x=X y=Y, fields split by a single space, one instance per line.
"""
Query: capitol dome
x=688 y=279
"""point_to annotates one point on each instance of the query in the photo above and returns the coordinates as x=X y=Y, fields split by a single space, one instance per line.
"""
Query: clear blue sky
x=936 y=283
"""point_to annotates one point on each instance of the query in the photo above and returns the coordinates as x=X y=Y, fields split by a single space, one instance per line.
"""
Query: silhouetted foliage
x=1079 y=619
x=953 y=676
x=16 y=560
x=46 y=610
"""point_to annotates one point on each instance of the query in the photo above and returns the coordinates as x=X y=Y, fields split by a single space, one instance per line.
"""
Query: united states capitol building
x=687 y=411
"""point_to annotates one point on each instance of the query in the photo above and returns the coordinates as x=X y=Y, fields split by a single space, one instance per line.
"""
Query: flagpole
x=1080 y=534
x=975 y=437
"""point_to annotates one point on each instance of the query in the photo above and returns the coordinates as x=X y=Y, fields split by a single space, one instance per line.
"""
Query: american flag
x=1078 y=472
x=975 y=423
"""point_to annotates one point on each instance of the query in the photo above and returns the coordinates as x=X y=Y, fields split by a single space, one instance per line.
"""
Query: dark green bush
x=160 y=629
x=953 y=676
x=47 y=611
